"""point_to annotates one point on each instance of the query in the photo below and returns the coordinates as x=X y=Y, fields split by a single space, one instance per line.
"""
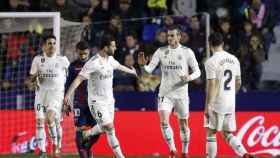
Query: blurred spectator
x=68 y=10
x=116 y=29
x=124 y=81
x=160 y=41
x=168 y=21
x=126 y=13
x=100 y=11
x=197 y=38
x=184 y=7
x=262 y=17
x=86 y=33
x=15 y=6
x=185 y=39
x=131 y=46
x=251 y=59
x=246 y=32
x=230 y=39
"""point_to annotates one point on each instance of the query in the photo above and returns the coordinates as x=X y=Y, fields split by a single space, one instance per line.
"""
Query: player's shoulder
x=162 y=49
x=184 y=47
x=94 y=58
x=39 y=57
x=233 y=57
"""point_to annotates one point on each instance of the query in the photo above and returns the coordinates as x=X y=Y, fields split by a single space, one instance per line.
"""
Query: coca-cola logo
x=254 y=133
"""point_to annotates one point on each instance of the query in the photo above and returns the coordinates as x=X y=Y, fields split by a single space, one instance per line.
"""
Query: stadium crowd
x=140 y=25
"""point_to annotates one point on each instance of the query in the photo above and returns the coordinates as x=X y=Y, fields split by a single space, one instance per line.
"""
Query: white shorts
x=220 y=122
x=48 y=100
x=180 y=105
x=103 y=113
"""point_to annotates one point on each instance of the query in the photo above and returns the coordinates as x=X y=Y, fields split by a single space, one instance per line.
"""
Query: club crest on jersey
x=56 y=65
x=43 y=60
x=166 y=52
x=179 y=57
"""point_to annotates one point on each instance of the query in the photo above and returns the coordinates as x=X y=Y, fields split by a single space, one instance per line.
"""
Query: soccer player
x=48 y=76
x=223 y=82
x=99 y=73
x=82 y=117
x=175 y=61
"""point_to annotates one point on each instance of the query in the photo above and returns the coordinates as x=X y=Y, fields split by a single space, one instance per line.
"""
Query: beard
x=110 y=52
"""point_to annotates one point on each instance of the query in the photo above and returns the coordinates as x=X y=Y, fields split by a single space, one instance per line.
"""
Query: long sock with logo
x=41 y=137
x=53 y=133
x=211 y=147
x=236 y=144
x=167 y=133
x=114 y=143
x=59 y=132
x=185 y=138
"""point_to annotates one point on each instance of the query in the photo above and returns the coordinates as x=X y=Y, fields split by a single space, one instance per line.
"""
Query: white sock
x=41 y=137
x=59 y=132
x=236 y=145
x=167 y=133
x=185 y=139
x=94 y=131
x=53 y=133
x=211 y=147
x=114 y=143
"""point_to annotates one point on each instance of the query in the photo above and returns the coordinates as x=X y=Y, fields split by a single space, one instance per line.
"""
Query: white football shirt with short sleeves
x=51 y=71
x=224 y=68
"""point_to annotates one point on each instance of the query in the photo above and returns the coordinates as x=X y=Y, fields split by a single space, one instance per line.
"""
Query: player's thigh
x=165 y=104
x=55 y=100
x=101 y=113
x=39 y=104
x=181 y=107
x=229 y=123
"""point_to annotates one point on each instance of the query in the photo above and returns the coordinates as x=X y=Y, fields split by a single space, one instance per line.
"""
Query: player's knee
x=210 y=132
x=164 y=124
x=226 y=134
x=184 y=125
x=39 y=123
x=108 y=127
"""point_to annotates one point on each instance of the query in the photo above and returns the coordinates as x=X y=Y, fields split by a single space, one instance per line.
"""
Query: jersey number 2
x=228 y=75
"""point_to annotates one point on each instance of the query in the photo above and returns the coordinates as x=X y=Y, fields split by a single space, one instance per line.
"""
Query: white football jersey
x=174 y=63
x=51 y=71
x=223 y=67
x=99 y=73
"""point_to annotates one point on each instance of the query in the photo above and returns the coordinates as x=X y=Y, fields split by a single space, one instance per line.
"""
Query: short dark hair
x=49 y=36
x=174 y=27
x=82 y=45
x=106 y=41
x=216 y=39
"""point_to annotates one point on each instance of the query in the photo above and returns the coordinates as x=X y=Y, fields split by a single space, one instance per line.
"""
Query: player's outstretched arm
x=127 y=70
x=66 y=102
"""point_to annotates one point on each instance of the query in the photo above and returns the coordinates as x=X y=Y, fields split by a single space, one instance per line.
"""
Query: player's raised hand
x=66 y=105
x=142 y=60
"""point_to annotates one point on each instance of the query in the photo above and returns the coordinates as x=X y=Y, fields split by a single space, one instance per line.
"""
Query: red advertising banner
x=139 y=134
